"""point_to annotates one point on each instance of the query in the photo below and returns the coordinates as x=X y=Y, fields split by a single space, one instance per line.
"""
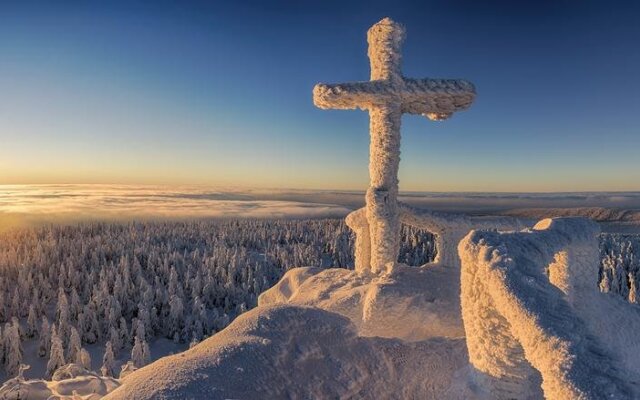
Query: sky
x=219 y=93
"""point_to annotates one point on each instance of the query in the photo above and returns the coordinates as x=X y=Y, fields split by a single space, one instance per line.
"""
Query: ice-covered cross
x=387 y=96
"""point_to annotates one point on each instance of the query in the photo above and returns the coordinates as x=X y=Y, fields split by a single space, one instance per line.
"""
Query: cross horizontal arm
x=436 y=96
x=347 y=96
x=417 y=96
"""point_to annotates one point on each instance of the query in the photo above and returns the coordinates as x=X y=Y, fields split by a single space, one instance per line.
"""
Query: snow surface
x=331 y=333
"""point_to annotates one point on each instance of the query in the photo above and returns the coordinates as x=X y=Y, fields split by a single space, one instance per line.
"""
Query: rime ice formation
x=535 y=320
x=387 y=96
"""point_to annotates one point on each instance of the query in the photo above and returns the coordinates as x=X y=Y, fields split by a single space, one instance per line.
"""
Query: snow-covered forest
x=122 y=288
x=620 y=265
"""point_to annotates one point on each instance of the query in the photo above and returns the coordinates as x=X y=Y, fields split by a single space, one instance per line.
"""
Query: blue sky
x=220 y=93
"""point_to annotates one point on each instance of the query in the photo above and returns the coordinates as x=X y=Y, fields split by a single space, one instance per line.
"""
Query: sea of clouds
x=34 y=204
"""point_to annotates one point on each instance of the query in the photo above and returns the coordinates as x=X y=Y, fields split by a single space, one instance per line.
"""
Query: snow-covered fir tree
x=32 y=322
x=140 y=352
x=74 y=347
x=12 y=348
x=56 y=356
x=108 y=361
x=84 y=359
x=44 y=343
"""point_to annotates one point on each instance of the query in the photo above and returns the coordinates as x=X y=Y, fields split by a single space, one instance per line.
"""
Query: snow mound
x=71 y=382
x=301 y=352
x=535 y=320
x=411 y=303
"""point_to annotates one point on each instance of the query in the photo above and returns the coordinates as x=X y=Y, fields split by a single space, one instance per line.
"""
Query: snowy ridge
x=534 y=317
x=298 y=352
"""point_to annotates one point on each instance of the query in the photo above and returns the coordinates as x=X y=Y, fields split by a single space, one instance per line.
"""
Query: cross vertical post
x=385 y=41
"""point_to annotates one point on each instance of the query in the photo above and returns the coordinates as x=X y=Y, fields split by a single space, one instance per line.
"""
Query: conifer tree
x=137 y=353
x=56 y=357
x=12 y=348
x=108 y=361
x=32 y=322
x=633 y=295
x=84 y=359
x=44 y=343
x=74 y=347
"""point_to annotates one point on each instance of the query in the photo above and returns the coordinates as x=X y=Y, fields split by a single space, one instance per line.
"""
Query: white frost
x=535 y=320
x=387 y=96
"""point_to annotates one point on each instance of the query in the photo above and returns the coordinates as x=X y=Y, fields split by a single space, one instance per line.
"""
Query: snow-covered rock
x=535 y=320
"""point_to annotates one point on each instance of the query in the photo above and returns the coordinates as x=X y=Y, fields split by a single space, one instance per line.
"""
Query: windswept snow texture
x=306 y=348
x=533 y=315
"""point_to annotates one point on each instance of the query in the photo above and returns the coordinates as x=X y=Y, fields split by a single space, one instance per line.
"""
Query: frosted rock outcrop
x=535 y=320
x=387 y=96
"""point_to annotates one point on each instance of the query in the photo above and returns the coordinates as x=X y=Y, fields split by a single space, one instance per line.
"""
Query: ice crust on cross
x=387 y=96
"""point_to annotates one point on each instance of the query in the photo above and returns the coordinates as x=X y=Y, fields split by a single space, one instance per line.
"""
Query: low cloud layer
x=31 y=204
